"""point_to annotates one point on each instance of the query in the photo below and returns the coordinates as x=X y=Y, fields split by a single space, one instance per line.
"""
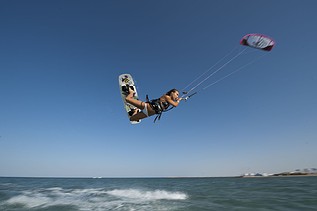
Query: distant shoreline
x=282 y=175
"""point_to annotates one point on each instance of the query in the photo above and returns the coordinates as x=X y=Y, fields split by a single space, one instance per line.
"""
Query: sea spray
x=148 y=195
x=90 y=198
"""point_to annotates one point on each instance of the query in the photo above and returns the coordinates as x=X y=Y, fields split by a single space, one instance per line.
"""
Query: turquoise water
x=151 y=194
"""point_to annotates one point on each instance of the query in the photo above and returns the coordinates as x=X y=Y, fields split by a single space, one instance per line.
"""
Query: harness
x=157 y=106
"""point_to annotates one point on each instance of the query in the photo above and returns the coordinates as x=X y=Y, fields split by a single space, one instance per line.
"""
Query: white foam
x=148 y=195
x=36 y=200
x=93 y=199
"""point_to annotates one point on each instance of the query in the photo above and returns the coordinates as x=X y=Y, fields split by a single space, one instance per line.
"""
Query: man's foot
x=131 y=91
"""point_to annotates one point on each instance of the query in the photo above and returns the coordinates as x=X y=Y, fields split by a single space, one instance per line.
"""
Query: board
x=124 y=80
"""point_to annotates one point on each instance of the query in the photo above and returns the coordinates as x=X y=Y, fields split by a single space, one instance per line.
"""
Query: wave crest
x=91 y=199
x=148 y=195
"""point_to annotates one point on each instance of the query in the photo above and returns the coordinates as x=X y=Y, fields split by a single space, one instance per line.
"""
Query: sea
x=158 y=194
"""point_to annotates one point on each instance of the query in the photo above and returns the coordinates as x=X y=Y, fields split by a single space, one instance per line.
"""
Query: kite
x=258 y=41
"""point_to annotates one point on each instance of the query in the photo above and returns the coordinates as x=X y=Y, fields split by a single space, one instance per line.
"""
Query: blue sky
x=61 y=113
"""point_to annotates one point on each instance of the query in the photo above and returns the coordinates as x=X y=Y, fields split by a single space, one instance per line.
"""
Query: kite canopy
x=259 y=41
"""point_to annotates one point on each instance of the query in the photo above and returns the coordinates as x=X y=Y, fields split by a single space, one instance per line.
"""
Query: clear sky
x=61 y=113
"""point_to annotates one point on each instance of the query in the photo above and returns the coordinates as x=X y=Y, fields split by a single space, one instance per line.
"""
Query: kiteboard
x=126 y=81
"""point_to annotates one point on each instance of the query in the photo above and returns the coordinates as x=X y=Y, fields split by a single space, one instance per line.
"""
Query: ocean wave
x=148 y=195
x=29 y=201
x=91 y=199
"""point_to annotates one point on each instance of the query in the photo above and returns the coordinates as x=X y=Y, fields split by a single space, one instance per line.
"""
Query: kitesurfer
x=152 y=107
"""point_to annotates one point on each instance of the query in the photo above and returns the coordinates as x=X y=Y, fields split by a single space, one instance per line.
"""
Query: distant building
x=297 y=172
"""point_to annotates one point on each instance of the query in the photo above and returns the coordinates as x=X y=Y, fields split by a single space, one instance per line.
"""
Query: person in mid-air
x=152 y=107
